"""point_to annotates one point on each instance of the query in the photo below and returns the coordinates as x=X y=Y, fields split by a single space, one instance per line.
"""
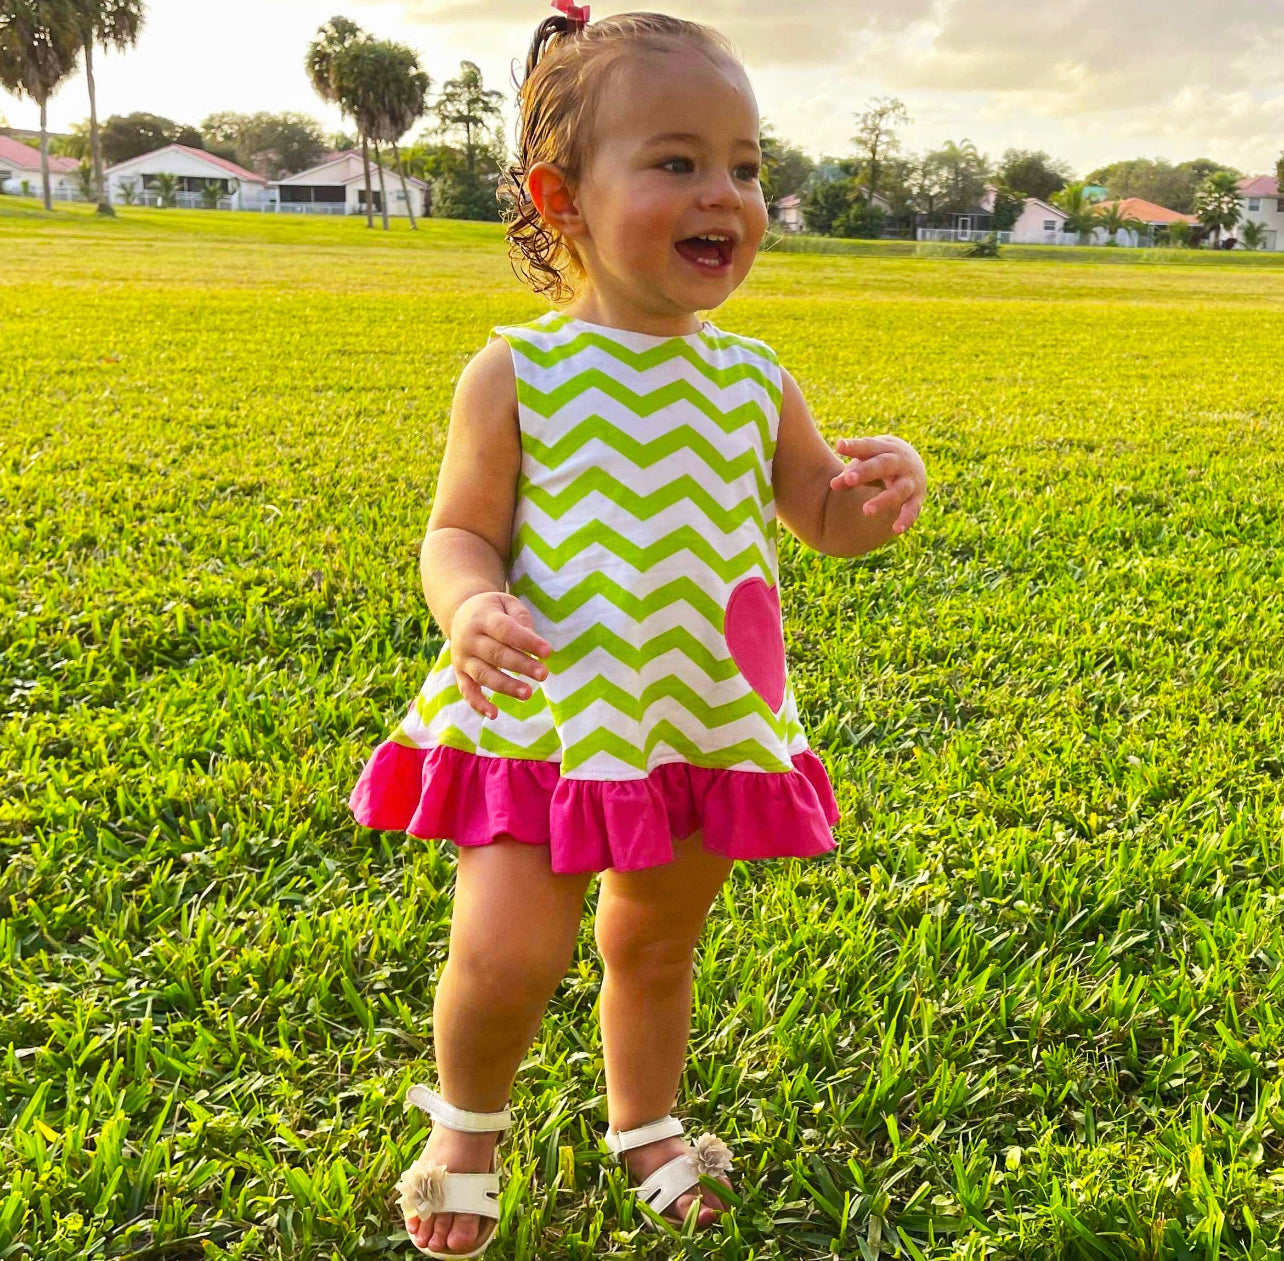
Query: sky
x=1089 y=81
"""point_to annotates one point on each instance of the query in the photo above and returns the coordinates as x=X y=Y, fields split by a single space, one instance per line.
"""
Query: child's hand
x=489 y=633
x=894 y=463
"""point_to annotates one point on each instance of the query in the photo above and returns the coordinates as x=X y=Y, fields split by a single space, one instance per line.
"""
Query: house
x=1262 y=201
x=788 y=213
x=337 y=186
x=195 y=170
x=1157 y=219
x=20 y=171
x=1039 y=223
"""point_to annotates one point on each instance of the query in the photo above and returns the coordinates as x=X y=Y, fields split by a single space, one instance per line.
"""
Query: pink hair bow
x=576 y=13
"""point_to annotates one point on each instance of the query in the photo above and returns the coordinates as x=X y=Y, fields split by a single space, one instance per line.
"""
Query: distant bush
x=860 y=219
x=986 y=247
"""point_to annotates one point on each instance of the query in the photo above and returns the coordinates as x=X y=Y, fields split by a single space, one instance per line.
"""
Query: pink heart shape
x=753 y=632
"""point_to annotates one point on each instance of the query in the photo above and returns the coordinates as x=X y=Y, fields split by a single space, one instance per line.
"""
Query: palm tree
x=1253 y=234
x=399 y=92
x=113 y=24
x=1217 y=203
x=335 y=37
x=464 y=104
x=166 y=186
x=39 y=47
x=1112 y=218
x=1080 y=211
x=358 y=72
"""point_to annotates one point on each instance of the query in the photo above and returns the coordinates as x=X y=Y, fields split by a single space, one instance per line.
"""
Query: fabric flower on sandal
x=422 y=1189
x=711 y=1156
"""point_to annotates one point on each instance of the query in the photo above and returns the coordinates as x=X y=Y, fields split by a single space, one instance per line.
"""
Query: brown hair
x=565 y=69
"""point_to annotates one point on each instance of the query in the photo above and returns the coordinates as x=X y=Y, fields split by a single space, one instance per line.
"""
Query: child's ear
x=555 y=199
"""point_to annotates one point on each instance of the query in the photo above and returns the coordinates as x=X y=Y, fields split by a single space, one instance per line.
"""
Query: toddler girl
x=612 y=695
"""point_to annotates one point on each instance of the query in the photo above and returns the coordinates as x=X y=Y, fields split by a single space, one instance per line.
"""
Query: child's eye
x=749 y=171
x=669 y=162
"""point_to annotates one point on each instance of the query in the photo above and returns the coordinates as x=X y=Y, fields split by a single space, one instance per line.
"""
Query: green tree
x=1155 y=180
x=876 y=137
x=1253 y=235
x=129 y=135
x=958 y=172
x=785 y=167
x=39 y=48
x=826 y=203
x=1032 y=172
x=1279 y=176
x=166 y=186
x=1112 y=218
x=861 y=218
x=467 y=108
x=74 y=142
x=1217 y=203
x=106 y=24
x=333 y=38
x=273 y=144
x=397 y=97
x=1081 y=212
x=1007 y=208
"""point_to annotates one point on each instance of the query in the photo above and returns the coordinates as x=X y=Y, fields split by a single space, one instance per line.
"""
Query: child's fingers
x=909 y=514
x=497 y=653
x=863 y=448
x=472 y=694
x=516 y=628
x=894 y=497
x=876 y=468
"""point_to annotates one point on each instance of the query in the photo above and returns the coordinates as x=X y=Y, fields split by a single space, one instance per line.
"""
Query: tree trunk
x=383 y=191
x=365 y=162
x=401 y=170
x=95 y=144
x=44 y=156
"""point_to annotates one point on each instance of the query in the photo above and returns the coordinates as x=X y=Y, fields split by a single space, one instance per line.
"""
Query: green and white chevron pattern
x=645 y=497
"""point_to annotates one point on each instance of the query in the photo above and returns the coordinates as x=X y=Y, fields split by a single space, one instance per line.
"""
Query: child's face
x=674 y=155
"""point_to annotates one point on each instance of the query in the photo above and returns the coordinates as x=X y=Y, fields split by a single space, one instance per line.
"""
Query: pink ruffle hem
x=590 y=824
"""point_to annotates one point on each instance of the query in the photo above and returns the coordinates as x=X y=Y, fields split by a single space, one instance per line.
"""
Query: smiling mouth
x=709 y=255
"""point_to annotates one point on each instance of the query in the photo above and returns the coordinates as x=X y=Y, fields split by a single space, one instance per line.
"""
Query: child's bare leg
x=648 y=923
x=512 y=936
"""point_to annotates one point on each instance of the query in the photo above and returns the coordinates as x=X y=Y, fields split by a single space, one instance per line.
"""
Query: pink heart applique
x=753 y=632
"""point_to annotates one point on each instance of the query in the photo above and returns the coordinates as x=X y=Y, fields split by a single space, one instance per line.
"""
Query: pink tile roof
x=23 y=155
x=230 y=167
x=1147 y=211
x=1260 y=186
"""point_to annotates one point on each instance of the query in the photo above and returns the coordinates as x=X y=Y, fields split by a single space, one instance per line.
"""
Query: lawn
x=1032 y=1006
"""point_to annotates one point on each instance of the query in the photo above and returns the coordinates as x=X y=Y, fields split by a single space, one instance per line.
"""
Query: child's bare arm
x=464 y=557
x=841 y=509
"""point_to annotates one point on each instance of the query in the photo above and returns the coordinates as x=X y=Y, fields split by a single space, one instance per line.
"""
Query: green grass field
x=1033 y=1006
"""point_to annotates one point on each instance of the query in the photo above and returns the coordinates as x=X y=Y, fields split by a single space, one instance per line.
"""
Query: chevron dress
x=644 y=546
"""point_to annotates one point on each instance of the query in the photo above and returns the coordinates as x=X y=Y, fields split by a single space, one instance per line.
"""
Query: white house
x=20 y=165
x=1040 y=222
x=789 y=211
x=1262 y=201
x=196 y=170
x=337 y=186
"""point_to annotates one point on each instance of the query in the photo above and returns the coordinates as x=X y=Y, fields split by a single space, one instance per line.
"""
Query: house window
x=1254 y=204
x=1049 y=225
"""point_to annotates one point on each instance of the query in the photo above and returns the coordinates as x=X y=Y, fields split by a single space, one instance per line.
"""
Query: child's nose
x=721 y=190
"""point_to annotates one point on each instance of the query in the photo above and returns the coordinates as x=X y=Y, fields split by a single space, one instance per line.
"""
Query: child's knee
x=514 y=974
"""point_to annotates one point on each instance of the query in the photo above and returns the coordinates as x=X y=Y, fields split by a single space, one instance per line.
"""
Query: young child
x=612 y=696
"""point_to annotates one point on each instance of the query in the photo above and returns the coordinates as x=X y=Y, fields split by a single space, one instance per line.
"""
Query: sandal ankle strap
x=454 y=1118
x=620 y=1141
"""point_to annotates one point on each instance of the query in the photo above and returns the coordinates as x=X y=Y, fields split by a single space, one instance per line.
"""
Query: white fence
x=1099 y=237
x=305 y=207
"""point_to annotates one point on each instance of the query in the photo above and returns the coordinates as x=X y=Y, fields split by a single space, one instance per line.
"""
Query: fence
x=304 y=207
x=1098 y=237
x=962 y=234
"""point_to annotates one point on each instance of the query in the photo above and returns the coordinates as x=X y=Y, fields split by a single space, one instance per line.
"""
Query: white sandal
x=709 y=1155
x=428 y=1188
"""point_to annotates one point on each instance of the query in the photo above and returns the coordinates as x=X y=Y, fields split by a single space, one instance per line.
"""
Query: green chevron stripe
x=685 y=537
x=603 y=690
x=635 y=656
x=540 y=750
x=558 y=609
x=428 y=707
x=456 y=739
x=643 y=507
x=645 y=454
x=644 y=405
x=603 y=740
x=645 y=360
x=553 y=321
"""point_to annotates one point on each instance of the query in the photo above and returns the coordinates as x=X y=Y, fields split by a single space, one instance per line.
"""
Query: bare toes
x=441 y=1223
x=464 y=1235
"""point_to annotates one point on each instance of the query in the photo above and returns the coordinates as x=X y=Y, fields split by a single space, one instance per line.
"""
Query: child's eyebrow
x=691 y=138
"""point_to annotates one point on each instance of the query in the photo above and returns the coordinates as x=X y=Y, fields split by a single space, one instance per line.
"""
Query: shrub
x=825 y=204
x=860 y=219
x=987 y=247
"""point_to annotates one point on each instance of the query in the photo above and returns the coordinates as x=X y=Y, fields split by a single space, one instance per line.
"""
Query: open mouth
x=710 y=252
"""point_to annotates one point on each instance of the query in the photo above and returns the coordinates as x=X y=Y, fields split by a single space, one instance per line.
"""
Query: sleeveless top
x=644 y=546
